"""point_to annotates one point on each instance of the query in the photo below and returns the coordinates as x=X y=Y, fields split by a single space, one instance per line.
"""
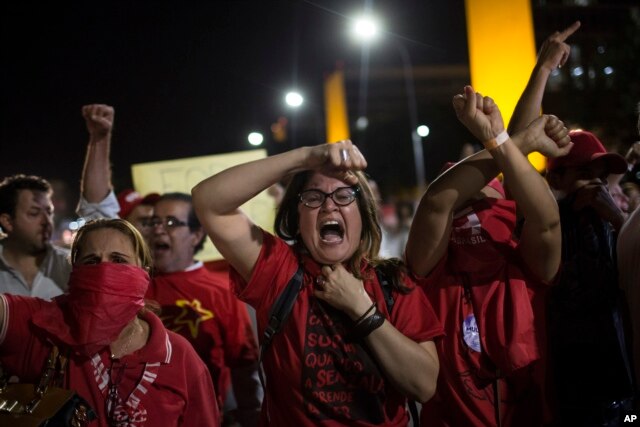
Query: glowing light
x=294 y=99
x=366 y=28
x=608 y=70
x=255 y=138
x=362 y=123
x=423 y=130
x=577 y=71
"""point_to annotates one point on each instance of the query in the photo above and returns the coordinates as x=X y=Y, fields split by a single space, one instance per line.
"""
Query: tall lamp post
x=366 y=29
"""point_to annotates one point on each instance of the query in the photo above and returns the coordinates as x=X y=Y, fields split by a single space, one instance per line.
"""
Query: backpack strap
x=385 y=284
x=281 y=309
x=279 y=314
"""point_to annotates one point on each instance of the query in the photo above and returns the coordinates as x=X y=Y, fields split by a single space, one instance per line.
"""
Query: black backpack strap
x=279 y=314
x=387 y=287
x=281 y=309
x=385 y=284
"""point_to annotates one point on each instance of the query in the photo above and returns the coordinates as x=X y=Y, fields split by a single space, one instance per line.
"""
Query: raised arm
x=553 y=54
x=431 y=227
x=540 y=242
x=217 y=200
x=96 y=173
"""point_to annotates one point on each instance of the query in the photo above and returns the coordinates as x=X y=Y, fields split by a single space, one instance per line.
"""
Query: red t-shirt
x=499 y=320
x=199 y=306
x=315 y=377
x=163 y=384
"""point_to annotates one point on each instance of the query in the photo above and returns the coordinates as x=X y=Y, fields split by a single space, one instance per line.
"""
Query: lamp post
x=294 y=100
x=366 y=29
x=416 y=141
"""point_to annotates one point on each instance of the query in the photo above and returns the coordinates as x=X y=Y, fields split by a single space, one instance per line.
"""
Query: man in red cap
x=584 y=171
x=135 y=208
x=588 y=352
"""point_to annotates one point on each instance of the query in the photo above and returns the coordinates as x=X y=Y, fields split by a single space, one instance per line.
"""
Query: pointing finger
x=568 y=31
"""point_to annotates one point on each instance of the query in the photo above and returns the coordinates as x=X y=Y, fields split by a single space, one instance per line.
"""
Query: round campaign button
x=470 y=333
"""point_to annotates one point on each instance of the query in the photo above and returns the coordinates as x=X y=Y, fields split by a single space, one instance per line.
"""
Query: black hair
x=10 y=187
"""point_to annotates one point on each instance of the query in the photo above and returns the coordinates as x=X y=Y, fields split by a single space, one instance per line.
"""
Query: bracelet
x=497 y=141
x=361 y=318
x=368 y=325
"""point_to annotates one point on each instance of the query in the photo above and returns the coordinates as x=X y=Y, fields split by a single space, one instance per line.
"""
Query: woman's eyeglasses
x=342 y=196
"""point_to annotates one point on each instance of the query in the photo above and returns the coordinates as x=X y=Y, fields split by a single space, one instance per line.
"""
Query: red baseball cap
x=586 y=149
x=129 y=199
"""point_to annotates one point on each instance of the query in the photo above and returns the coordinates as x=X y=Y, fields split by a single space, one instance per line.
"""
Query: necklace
x=125 y=348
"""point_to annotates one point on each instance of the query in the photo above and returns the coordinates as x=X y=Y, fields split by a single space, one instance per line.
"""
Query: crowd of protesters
x=501 y=302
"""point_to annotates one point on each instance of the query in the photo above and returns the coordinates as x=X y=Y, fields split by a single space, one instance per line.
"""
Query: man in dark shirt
x=592 y=374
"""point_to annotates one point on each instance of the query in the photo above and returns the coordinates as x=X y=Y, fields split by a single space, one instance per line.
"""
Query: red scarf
x=103 y=298
x=482 y=249
x=480 y=234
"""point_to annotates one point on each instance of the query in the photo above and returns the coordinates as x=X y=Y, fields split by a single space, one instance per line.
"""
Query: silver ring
x=344 y=154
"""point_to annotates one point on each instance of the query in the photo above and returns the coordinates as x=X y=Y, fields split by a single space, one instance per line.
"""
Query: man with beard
x=29 y=264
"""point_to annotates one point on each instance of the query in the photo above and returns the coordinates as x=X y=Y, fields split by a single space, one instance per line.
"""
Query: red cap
x=129 y=199
x=587 y=148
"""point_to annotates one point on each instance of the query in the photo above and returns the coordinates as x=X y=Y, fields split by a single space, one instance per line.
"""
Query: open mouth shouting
x=161 y=247
x=331 y=231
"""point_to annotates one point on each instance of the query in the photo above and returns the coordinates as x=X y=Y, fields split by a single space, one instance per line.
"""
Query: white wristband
x=497 y=141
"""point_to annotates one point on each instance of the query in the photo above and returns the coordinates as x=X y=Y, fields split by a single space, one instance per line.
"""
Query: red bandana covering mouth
x=103 y=298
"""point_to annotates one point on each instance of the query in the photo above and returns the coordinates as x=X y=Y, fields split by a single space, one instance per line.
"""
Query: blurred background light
x=255 y=138
x=294 y=99
x=366 y=28
x=423 y=130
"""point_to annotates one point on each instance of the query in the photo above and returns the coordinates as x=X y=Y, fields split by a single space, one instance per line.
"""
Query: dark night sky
x=186 y=78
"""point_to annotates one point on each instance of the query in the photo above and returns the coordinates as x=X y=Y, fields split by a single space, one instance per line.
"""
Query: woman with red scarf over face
x=121 y=360
x=483 y=284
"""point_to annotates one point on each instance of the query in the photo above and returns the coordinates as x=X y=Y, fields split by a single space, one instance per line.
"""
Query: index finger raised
x=564 y=34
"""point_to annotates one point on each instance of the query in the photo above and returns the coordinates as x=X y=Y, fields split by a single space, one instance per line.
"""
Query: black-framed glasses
x=342 y=196
x=168 y=223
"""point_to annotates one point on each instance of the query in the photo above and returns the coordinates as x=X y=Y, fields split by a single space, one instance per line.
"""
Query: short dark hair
x=192 y=220
x=10 y=187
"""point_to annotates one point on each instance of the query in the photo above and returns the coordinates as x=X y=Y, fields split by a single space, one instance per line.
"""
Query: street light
x=255 y=138
x=366 y=28
x=362 y=29
x=423 y=131
x=294 y=99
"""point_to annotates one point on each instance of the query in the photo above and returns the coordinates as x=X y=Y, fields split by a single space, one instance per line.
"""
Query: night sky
x=185 y=78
